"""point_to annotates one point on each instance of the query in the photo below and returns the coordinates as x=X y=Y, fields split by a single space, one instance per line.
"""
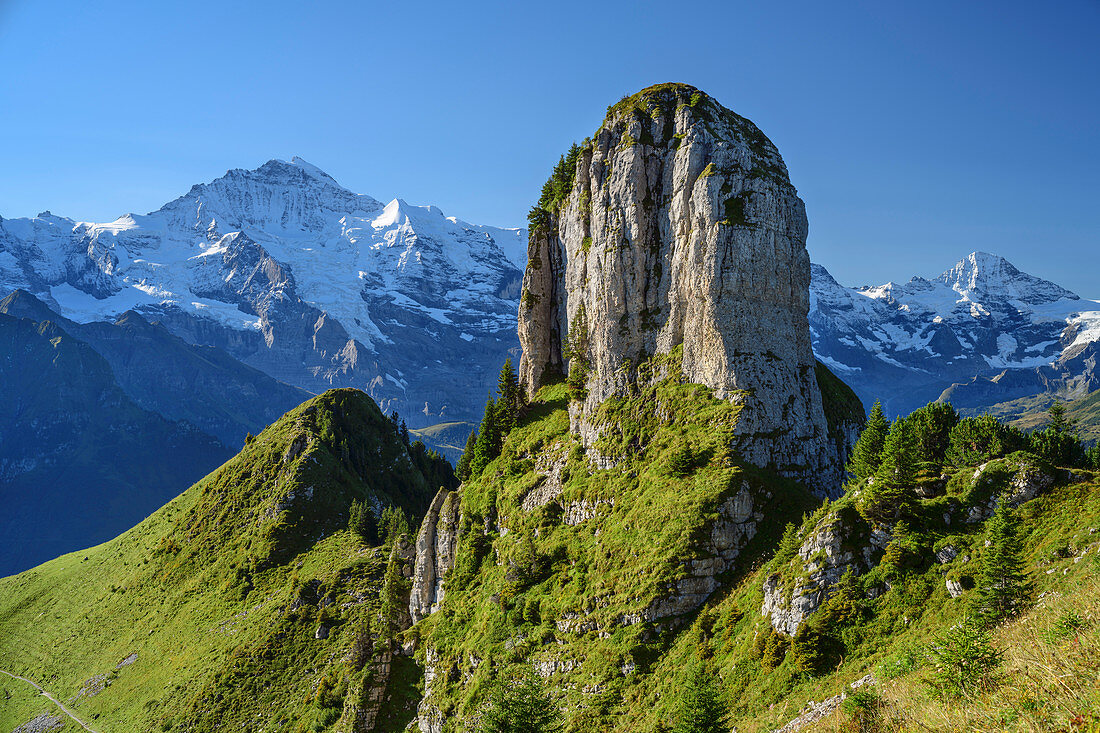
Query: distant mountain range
x=103 y=422
x=292 y=274
x=981 y=333
x=287 y=271
x=169 y=336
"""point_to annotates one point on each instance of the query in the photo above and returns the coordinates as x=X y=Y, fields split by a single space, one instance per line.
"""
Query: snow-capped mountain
x=982 y=332
x=293 y=274
x=318 y=286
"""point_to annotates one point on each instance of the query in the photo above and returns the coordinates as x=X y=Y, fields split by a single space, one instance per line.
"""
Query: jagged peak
x=296 y=168
x=399 y=211
x=819 y=275
x=983 y=272
x=311 y=169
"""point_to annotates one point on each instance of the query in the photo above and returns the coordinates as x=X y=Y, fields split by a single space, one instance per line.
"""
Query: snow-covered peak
x=312 y=170
x=400 y=213
x=981 y=275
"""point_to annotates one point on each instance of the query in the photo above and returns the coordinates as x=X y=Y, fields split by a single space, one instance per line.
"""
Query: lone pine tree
x=867 y=453
x=1003 y=585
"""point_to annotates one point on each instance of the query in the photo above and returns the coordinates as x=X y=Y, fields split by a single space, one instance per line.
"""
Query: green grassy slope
x=902 y=611
x=538 y=586
x=566 y=592
x=220 y=593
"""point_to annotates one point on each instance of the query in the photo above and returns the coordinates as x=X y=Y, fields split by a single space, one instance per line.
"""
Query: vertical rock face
x=680 y=227
x=435 y=551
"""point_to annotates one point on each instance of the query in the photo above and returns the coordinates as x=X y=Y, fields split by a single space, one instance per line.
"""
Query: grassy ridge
x=220 y=593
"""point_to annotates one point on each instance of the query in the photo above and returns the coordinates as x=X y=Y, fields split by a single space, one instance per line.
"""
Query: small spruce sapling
x=700 y=708
x=509 y=403
x=520 y=705
x=1003 y=586
x=963 y=661
x=487 y=446
x=463 y=470
x=394 y=599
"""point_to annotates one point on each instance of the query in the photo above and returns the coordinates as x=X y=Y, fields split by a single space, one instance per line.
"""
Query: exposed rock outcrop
x=681 y=227
x=825 y=557
x=435 y=552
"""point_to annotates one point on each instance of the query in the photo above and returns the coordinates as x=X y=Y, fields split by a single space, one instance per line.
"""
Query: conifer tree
x=508 y=404
x=680 y=458
x=867 y=453
x=362 y=523
x=394 y=587
x=1058 y=421
x=898 y=550
x=932 y=426
x=394 y=523
x=487 y=446
x=1092 y=457
x=899 y=455
x=700 y=709
x=890 y=493
x=462 y=470
x=977 y=439
x=520 y=705
x=1003 y=586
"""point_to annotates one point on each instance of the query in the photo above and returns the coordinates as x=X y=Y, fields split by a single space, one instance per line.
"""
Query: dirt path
x=55 y=701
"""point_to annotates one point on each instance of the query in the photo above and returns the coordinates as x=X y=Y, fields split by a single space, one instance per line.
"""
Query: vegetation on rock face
x=567 y=585
x=555 y=191
x=934 y=598
x=573 y=575
x=245 y=602
x=520 y=705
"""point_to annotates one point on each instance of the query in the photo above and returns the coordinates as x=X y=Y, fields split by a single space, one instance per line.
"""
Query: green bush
x=862 y=706
x=964 y=661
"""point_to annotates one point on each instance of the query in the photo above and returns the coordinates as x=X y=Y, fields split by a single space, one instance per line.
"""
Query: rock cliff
x=677 y=224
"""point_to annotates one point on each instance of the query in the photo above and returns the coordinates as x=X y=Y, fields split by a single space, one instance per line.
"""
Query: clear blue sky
x=915 y=134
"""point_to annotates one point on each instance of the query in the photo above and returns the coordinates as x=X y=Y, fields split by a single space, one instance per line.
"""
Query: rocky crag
x=672 y=395
x=677 y=224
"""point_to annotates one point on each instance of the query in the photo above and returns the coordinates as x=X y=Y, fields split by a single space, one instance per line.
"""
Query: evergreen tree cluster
x=894 y=458
x=500 y=417
x=521 y=705
x=361 y=522
x=555 y=191
x=394 y=523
